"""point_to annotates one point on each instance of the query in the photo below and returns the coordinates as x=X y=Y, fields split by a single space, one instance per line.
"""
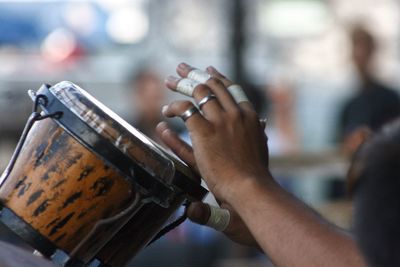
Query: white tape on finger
x=199 y=75
x=186 y=86
x=237 y=93
x=219 y=218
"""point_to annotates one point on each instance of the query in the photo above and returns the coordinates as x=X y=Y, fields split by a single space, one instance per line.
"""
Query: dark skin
x=230 y=153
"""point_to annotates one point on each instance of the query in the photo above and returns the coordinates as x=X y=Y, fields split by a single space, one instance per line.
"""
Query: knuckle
x=201 y=90
x=252 y=115
x=235 y=114
x=182 y=105
x=215 y=82
x=219 y=121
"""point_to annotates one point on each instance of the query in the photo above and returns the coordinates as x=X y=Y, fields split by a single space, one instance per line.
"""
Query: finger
x=176 y=144
x=217 y=87
x=198 y=91
x=212 y=216
x=215 y=73
x=207 y=101
x=183 y=86
x=225 y=99
x=195 y=120
x=235 y=90
x=198 y=212
x=186 y=71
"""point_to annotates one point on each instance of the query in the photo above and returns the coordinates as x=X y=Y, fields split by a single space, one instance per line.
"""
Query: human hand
x=199 y=212
x=229 y=144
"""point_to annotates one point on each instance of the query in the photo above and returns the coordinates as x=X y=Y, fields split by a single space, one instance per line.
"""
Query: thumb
x=214 y=217
x=198 y=212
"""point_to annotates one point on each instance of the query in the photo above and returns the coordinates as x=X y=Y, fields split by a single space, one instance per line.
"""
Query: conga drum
x=86 y=188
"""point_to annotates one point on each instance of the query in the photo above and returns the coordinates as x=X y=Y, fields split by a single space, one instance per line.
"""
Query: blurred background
x=295 y=58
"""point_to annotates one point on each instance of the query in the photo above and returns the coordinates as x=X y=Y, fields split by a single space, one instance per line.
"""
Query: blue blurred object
x=28 y=23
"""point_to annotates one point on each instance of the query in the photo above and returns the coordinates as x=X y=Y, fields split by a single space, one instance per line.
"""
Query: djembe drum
x=85 y=188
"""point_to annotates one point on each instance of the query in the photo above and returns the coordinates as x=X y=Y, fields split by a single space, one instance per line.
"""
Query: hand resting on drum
x=231 y=154
x=199 y=212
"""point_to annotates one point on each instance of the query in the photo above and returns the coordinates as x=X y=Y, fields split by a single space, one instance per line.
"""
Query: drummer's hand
x=199 y=212
x=228 y=141
x=237 y=231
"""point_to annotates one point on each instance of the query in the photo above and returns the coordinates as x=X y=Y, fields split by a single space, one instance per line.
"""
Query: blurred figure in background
x=148 y=96
x=374 y=103
x=281 y=128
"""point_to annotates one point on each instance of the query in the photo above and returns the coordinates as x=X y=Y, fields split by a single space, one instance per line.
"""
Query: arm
x=230 y=152
x=290 y=232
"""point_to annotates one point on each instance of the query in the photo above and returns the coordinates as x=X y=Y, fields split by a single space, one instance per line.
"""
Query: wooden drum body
x=86 y=187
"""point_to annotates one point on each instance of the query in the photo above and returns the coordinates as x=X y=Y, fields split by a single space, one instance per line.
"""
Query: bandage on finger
x=186 y=86
x=199 y=75
x=219 y=218
x=237 y=93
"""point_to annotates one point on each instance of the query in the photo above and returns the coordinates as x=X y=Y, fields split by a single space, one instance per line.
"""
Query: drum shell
x=136 y=234
x=61 y=188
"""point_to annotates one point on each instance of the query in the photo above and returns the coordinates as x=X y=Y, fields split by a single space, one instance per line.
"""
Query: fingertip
x=183 y=69
x=211 y=69
x=198 y=212
x=164 y=110
x=161 y=126
x=171 y=82
x=183 y=66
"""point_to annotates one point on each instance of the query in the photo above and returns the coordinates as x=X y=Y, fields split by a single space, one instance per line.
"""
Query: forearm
x=290 y=232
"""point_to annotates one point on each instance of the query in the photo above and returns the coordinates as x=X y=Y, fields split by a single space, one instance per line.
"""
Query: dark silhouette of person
x=374 y=104
x=377 y=197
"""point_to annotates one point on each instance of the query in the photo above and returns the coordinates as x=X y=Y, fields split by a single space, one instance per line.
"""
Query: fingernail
x=164 y=109
x=162 y=127
x=171 y=79
x=211 y=68
x=183 y=66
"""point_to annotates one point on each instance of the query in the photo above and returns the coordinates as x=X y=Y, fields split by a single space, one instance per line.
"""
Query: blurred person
x=374 y=103
x=281 y=128
x=148 y=96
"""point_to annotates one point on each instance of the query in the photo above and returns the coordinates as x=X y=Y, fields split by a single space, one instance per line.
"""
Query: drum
x=85 y=187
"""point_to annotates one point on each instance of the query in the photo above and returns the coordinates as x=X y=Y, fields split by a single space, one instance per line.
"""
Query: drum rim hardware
x=34 y=117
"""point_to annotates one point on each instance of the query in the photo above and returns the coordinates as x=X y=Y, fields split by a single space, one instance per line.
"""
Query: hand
x=356 y=138
x=229 y=144
x=199 y=212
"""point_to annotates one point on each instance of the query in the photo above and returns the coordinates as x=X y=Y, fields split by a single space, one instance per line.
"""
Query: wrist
x=249 y=187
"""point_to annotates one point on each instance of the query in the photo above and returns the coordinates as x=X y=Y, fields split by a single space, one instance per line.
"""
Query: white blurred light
x=81 y=17
x=58 y=45
x=293 y=18
x=111 y=5
x=189 y=25
x=128 y=25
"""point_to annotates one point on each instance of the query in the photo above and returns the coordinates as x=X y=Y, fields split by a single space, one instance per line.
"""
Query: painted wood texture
x=61 y=188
